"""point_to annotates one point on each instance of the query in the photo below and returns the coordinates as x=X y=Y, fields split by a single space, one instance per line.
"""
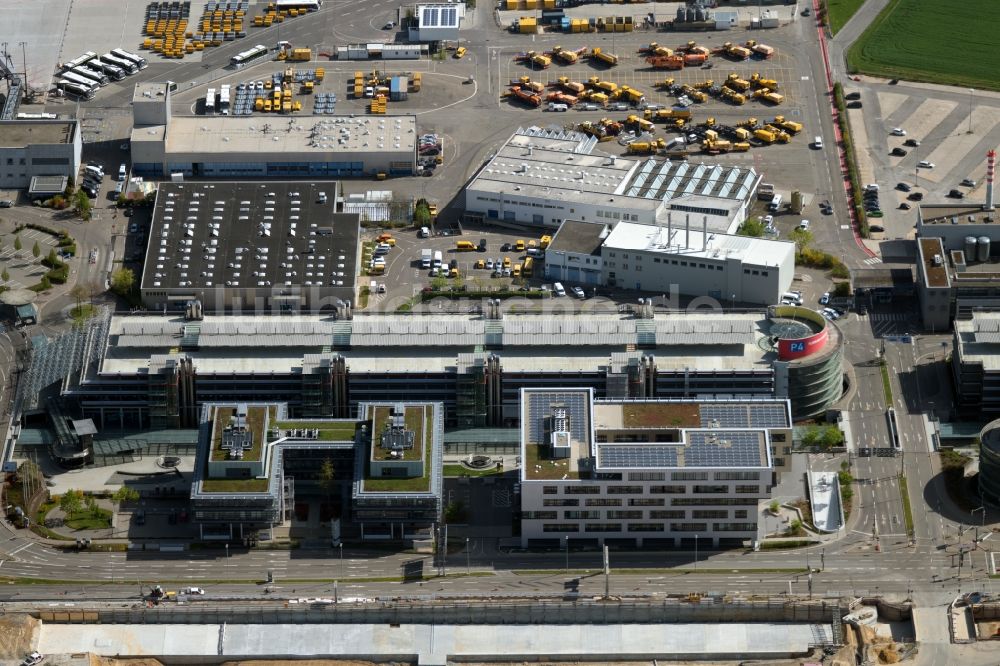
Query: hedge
x=857 y=199
x=506 y=293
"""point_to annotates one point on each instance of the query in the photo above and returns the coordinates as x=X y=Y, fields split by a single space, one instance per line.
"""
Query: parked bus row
x=83 y=76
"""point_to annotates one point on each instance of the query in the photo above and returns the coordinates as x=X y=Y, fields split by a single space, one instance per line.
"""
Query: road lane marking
x=27 y=545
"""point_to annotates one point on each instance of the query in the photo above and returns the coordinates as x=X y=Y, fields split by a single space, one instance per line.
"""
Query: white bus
x=100 y=78
x=311 y=5
x=82 y=80
x=114 y=72
x=127 y=65
x=82 y=60
x=210 y=101
x=224 y=99
x=250 y=55
x=71 y=89
x=138 y=61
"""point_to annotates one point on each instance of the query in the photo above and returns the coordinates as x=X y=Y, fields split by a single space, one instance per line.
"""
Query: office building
x=543 y=177
x=255 y=468
x=299 y=146
x=436 y=22
x=30 y=148
x=262 y=247
x=645 y=472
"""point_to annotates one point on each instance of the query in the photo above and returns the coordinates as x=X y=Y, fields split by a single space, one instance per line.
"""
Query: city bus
x=82 y=80
x=72 y=89
x=127 y=65
x=100 y=78
x=249 y=56
x=114 y=72
x=308 y=5
x=138 y=61
x=78 y=62
x=224 y=99
x=210 y=101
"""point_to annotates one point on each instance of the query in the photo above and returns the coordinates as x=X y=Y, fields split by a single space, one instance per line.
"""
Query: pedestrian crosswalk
x=873 y=260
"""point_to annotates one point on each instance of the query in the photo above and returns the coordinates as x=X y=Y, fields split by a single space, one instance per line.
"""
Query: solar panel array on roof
x=645 y=455
x=540 y=406
x=430 y=17
x=723 y=448
x=764 y=415
x=448 y=16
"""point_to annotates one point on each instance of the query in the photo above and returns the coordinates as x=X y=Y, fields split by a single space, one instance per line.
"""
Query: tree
x=422 y=214
x=122 y=281
x=455 y=512
x=832 y=436
x=751 y=227
x=36 y=250
x=774 y=506
x=328 y=477
x=802 y=238
x=5 y=275
x=82 y=204
x=71 y=502
x=45 y=283
x=842 y=289
x=18 y=245
x=125 y=494
x=78 y=292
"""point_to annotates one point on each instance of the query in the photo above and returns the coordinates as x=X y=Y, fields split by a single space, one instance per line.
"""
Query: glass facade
x=269 y=169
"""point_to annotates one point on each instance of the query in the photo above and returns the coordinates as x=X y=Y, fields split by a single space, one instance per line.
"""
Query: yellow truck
x=609 y=59
x=300 y=55
x=544 y=241
x=465 y=246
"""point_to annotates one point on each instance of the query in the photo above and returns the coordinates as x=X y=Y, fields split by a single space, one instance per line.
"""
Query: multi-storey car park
x=271 y=247
x=645 y=472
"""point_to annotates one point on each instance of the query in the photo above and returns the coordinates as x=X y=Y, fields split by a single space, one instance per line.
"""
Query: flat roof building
x=278 y=247
x=256 y=147
x=544 y=177
x=30 y=148
x=436 y=22
x=255 y=464
x=645 y=472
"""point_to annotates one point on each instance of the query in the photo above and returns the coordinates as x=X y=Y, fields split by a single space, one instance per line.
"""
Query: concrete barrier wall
x=709 y=609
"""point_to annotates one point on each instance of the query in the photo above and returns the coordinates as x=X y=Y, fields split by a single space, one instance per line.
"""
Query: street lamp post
x=468 y=566
x=566 y=544
x=695 y=551
x=340 y=546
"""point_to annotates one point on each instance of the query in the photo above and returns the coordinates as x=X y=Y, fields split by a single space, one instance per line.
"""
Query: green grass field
x=916 y=40
x=840 y=12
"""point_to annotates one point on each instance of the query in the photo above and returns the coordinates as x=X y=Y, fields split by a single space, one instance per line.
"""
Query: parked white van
x=558 y=289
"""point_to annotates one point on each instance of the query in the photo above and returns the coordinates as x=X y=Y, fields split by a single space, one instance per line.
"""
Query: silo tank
x=699 y=13
x=970 y=249
x=681 y=14
x=691 y=15
x=983 y=251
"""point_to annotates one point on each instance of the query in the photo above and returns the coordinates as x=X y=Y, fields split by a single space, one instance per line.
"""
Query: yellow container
x=147 y=43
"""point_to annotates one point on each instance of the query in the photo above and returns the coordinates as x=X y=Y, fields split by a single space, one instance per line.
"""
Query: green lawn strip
x=234 y=485
x=641 y=572
x=886 y=384
x=85 y=519
x=462 y=470
x=23 y=580
x=907 y=509
x=914 y=40
x=839 y=12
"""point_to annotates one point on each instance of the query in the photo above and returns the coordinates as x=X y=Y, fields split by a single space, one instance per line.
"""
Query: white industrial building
x=437 y=22
x=543 y=177
x=30 y=148
x=255 y=147
x=645 y=472
x=682 y=255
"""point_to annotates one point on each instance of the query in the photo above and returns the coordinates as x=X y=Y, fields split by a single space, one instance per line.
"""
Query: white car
x=825 y=298
x=831 y=314
x=193 y=590
x=578 y=292
x=489 y=264
x=32 y=659
x=768 y=220
x=896 y=131
x=924 y=164
x=804 y=224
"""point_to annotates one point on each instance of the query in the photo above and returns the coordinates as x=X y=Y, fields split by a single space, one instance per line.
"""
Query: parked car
x=903 y=187
x=6 y=203
x=956 y=194
x=460 y=52
x=904 y=206
x=389 y=26
x=898 y=152
x=578 y=292
x=132 y=228
x=898 y=131
x=924 y=164
x=193 y=590
x=853 y=95
x=912 y=143
x=916 y=196
x=876 y=229
x=825 y=298
x=804 y=224
x=966 y=182
x=33 y=658
x=854 y=105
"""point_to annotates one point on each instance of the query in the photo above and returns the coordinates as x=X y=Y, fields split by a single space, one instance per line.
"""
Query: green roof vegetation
x=255 y=424
x=547 y=468
x=661 y=415
x=414 y=419
x=329 y=431
x=234 y=485
x=424 y=434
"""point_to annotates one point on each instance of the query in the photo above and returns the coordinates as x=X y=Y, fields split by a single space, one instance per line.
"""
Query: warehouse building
x=634 y=473
x=543 y=177
x=256 y=147
x=154 y=371
x=263 y=247
x=256 y=468
x=30 y=148
x=682 y=255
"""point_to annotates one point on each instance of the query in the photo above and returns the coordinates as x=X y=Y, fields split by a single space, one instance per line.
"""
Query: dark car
x=904 y=206
x=852 y=95
x=912 y=143
x=854 y=105
x=506 y=247
x=876 y=229
x=903 y=187
x=956 y=194
x=806 y=11
x=916 y=196
x=898 y=152
x=6 y=203
x=482 y=245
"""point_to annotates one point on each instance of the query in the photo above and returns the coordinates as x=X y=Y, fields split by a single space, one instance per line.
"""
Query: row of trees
x=74 y=501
